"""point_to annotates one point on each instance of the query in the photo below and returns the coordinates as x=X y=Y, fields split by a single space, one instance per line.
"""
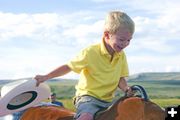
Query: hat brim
x=21 y=95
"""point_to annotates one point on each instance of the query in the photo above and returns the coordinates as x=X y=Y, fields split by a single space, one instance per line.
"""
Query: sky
x=37 y=36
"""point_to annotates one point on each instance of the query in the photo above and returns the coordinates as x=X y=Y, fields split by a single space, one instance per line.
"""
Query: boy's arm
x=123 y=84
x=60 y=71
x=125 y=88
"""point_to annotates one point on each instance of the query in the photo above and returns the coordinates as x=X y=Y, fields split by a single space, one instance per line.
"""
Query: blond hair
x=116 y=20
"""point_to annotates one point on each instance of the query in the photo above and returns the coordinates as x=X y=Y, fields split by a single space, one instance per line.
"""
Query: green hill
x=156 y=76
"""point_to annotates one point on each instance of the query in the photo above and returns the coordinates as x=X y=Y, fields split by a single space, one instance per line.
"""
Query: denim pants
x=89 y=104
x=17 y=115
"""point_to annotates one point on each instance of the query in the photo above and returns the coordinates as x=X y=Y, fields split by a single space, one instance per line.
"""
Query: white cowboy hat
x=22 y=94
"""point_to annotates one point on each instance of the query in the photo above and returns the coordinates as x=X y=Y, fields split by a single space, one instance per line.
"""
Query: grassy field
x=166 y=102
x=158 y=89
x=164 y=93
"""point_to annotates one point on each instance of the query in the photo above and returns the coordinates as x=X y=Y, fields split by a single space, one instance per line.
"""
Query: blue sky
x=36 y=36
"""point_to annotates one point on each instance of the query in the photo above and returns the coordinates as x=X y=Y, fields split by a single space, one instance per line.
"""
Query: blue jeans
x=89 y=104
x=17 y=115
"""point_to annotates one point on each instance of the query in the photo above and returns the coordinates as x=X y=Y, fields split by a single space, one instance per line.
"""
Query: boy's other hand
x=129 y=92
x=40 y=79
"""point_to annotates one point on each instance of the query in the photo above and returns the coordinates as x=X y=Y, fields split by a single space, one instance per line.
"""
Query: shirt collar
x=103 y=48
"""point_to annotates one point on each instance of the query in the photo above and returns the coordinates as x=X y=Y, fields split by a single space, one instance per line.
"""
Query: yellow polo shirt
x=99 y=76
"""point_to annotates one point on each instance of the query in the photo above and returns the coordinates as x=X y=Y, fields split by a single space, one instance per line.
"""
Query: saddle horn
x=141 y=90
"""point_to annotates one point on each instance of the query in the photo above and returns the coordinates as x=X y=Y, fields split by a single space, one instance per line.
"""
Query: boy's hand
x=40 y=79
x=129 y=92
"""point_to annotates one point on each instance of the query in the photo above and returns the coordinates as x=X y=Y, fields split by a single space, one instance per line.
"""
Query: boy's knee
x=85 y=116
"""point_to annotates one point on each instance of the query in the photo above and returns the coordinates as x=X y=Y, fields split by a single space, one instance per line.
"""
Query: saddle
x=133 y=108
x=138 y=107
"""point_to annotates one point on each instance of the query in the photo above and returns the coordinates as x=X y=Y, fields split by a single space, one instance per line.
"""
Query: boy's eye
x=124 y=40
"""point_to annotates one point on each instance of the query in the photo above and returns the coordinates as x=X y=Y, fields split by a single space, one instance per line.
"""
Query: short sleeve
x=79 y=62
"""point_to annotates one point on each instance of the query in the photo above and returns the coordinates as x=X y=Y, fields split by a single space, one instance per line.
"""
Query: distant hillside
x=2 y=82
x=64 y=81
x=156 y=76
x=140 y=76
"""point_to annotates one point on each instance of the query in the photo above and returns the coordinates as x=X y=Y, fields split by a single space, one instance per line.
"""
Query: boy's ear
x=106 y=34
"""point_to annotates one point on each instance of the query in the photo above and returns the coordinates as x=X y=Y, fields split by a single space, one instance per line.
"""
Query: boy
x=54 y=100
x=102 y=67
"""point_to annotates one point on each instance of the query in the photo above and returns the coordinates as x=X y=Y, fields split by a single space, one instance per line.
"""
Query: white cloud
x=85 y=33
x=47 y=29
x=28 y=25
x=104 y=1
x=152 y=44
x=156 y=32
x=57 y=37
x=172 y=68
x=150 y=63
x=20 y=63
